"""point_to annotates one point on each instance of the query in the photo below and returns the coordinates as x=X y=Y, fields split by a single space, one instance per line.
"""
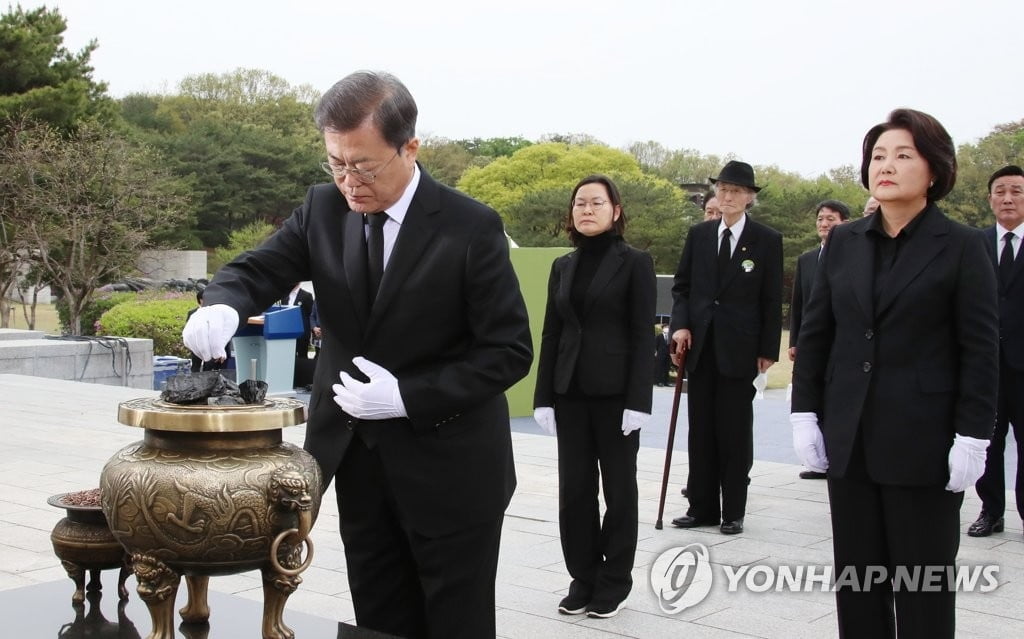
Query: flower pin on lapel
x=748 y=265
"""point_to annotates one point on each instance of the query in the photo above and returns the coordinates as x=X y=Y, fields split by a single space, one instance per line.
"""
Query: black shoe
x=604 y=609
x=573 y=605
x=985 y=525
x=812 y=474
x=732 y=527
x=687 y=521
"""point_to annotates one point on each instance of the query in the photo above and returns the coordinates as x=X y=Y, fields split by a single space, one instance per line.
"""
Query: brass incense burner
x=212 y=490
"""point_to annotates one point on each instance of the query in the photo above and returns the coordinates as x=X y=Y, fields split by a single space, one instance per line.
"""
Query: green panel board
x=532 y=266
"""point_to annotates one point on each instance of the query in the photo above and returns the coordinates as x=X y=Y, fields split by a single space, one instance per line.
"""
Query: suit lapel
x=990 y=247
x=862 y=258
x=745 y=246
x=415 y=234
x=1018 y=266
x=562 y=297
x=921 y=248
x=354 y=258
x=991 y=242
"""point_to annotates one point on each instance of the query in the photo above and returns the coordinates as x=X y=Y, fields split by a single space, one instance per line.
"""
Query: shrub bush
x=160 y=320
x=92 y=312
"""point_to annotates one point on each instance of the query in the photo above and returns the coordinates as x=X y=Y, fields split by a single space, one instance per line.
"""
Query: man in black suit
x=302 y=298
x=662 y=358
x=829 y=213
x=728 y=312
x=423 y=317
x=1006 y=197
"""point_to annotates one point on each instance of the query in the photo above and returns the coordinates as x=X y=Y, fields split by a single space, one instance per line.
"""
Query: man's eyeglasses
x=366 y=177
x=580 y=205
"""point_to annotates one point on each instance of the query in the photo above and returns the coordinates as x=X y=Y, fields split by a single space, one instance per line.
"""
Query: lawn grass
x=781 y=373
x=46 y=318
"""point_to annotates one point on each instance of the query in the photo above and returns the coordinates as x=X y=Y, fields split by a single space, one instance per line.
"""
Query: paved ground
x=57 y=435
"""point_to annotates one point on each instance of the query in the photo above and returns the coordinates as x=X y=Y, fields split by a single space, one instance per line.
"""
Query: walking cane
x=676 y=393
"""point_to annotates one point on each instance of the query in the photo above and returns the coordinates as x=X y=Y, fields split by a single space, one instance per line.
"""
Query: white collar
x=398 y=210
x=736 y=229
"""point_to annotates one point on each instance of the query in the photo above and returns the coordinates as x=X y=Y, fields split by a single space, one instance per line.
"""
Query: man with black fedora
x=727 y=312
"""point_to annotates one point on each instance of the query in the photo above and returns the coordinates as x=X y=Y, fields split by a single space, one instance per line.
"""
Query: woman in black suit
x=894 y=391
x=594 y=381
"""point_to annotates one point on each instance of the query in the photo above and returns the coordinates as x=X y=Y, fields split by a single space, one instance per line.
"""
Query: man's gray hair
x=369 y=94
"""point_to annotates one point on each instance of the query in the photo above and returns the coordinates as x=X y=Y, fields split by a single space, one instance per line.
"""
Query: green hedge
x=92 y=312
x=160 y=320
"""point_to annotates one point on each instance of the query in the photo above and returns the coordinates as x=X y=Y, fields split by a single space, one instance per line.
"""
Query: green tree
x=87 y=204
x=539 y=167
x=968 y=201
x=531 y=190
x=40 y=79
x=682 y=166
x=244 y=239
x=444 y=159
x=245 y=142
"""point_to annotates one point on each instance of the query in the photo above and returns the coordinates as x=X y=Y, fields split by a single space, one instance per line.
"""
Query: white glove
x=808 y=442
x=378 y=398
x=209 y=330
x=966 y=462
x=633 y=420
x=760 y=383
x=545 y=417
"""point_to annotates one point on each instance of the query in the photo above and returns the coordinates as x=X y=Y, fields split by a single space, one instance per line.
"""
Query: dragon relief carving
x=227 y=522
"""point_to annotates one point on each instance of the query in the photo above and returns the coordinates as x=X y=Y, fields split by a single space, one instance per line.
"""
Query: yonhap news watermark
x=682 y=576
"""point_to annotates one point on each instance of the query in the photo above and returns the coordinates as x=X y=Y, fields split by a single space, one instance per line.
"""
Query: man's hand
x=683 y=340
x=633 y=420
x=792 y=353
x=763 y=364
x=966 y=462
x=545 y=418
x=808 y=442
x=378 y=398
x=209 y=330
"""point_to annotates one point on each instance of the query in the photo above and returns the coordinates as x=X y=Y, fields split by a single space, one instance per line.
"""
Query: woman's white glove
x=378 y=398
x=633 y=420
x=808 y=442
x=209 y=330
x=966 y=462
x=545 y=417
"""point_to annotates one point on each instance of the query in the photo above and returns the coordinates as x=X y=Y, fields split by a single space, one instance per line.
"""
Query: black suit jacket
x=1011 y=305
x=803 y=283
x=746 y=306
x=449 y=322
x=609 y=349
x=912 y=371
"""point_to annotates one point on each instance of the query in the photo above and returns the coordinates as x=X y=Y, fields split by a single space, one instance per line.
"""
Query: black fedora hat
x=739 y=173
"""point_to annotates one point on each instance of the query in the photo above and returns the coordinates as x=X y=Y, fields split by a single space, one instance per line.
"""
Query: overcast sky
x=794 y=83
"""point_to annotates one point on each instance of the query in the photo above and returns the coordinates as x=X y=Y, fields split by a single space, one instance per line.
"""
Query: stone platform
x=56 y=435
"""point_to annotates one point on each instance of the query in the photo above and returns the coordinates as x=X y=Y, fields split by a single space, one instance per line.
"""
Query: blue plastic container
x=166 y=365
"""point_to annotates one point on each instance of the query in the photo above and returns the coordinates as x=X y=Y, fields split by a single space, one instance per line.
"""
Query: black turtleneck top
x=592 y=250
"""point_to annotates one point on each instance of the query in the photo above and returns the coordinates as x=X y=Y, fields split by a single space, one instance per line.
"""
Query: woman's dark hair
x=363 y=94
x=618 y=226
x=932 y=142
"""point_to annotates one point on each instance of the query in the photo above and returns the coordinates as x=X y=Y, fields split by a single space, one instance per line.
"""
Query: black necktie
x=375 y=252
x=1006 y=260
x=724 y=252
